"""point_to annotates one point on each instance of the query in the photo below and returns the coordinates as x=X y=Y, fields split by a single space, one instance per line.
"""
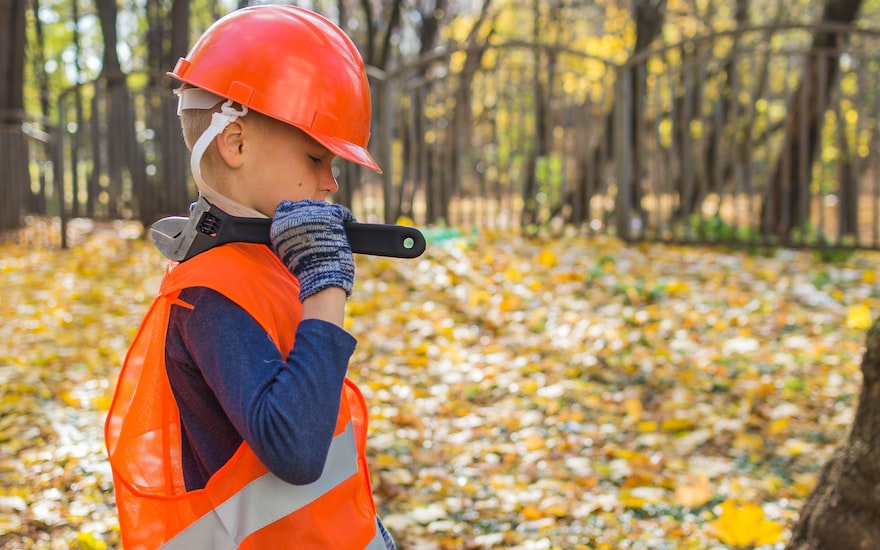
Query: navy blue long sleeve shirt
x=231 y=383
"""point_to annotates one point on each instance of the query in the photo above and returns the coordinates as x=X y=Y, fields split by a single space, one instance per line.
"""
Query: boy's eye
x=316 y=160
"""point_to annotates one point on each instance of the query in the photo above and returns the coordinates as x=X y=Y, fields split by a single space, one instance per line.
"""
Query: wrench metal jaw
x=207 y=226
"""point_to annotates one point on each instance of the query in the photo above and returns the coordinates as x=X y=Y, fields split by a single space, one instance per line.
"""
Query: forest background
x=527 y=392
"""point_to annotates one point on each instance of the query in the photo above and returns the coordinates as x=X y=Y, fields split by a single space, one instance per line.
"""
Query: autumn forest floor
x=573 y=393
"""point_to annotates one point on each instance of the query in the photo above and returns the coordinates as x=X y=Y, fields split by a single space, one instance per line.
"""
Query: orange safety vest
x=243 y=505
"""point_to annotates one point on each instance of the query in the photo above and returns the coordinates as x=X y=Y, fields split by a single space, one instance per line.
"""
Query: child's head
x=271 y=95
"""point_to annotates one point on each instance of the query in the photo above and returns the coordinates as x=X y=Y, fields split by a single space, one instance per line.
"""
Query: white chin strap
x=195 y=98
x=219 y=121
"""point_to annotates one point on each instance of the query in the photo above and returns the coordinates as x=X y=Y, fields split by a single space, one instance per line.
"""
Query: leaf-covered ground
x=574 y=393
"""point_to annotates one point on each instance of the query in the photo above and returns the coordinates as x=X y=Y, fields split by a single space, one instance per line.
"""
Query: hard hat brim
x=348 y=151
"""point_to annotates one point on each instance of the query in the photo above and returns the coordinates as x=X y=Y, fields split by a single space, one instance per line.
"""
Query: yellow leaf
x=648 y=426
x=677 y=425
x=858 y=317
x=531 y=512
x=513 y=274
x=632 y=501
x=102 y=402
x=803 y=484
x=535 y=442
x=633 y=407
x=547 y=258
x=386 y=461
x=509 y=303
x=556 y=510
x=87 y=541
x=778 y=426
x=745 y=525
x=794 y=447
x=69 y=399
x=694 y=494
x=676 y=287
x=748 y=442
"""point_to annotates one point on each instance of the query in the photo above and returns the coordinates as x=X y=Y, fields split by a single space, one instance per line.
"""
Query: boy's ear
x=230 y=143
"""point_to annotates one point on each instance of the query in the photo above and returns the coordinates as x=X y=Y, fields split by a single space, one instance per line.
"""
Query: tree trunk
x=649 y=17
x=13 y=145
x=121 y=151
x=12 y=24
x=542 y=88
x=716 y=162
x=459 y=139
x=172 y=193
x=786 y=206
x=417 y=170
x=38 y=201
x=843 y=511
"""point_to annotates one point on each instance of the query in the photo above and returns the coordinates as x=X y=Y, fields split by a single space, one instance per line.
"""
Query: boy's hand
x=309 y=237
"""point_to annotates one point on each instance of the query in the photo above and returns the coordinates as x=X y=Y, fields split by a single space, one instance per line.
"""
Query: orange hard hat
x=293 y=65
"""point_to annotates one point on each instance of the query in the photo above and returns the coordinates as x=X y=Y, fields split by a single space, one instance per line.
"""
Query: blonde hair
x=193 y=123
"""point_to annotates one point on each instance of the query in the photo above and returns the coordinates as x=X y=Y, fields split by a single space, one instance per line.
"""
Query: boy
x=223 y=433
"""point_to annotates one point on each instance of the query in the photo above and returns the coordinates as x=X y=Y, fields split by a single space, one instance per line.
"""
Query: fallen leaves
x=74 y=313
x=858 y=317
x=744 y=526
x=577 y=393
x=694 y=492
x=584 y=392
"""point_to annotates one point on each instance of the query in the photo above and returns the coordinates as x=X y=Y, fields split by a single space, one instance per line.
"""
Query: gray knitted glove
x=309 y=237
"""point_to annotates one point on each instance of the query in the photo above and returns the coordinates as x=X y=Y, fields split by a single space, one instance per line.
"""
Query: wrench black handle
x=379 y=239
x=373 y=239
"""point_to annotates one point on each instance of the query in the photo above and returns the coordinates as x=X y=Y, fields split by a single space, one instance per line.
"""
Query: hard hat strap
x=219 y=121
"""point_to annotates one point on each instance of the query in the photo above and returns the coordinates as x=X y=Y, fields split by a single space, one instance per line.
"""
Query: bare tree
x=649 y=17
x=12 y=24
x=115 y=150
x=787 y=203
x=117 y=144
x=377 y=49
x=382 y=27
x=168 y=41
x=37 y=204
x=716 y=165
x=542 y=85
x=13 y=147
x=425 y=158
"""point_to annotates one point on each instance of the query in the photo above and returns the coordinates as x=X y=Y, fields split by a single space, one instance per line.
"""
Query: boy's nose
x=329 y=183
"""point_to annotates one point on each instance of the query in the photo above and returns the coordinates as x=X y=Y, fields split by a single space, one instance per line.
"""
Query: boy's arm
x=327 y=305
x=284 y=407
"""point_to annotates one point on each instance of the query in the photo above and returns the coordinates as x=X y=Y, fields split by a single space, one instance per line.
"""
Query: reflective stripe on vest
x=268 y=499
